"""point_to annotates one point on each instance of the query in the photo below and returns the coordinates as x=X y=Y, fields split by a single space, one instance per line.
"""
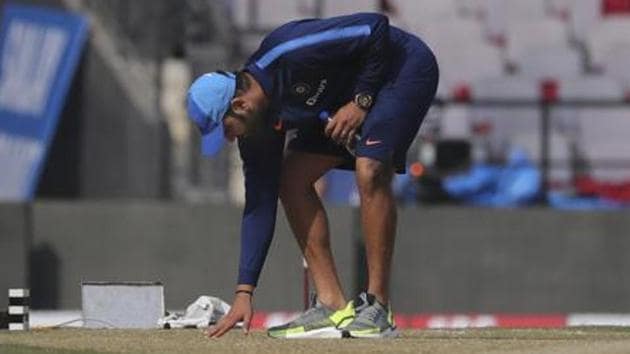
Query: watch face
x=364 y=101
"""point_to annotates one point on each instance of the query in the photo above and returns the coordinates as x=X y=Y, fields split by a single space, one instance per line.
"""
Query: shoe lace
x=306 y=314
x=370 y=313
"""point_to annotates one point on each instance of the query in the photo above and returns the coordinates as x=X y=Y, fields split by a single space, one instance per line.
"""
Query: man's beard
x=255 y=123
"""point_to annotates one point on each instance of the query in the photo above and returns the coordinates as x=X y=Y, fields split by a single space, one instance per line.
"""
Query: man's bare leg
x=378 y=219
x=309 y=222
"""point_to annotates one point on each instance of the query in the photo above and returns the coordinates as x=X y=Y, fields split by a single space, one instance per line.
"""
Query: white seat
x=550 y=63
x=506 y=87
x=519 y=10
x=345 y=7
x=584 y=15
x=522 y=37
x=591 y=87
x=466 y=63
x=271 y=13
x=474 y=9
x=455 y=122
x=615 y=64
x=415 y=13
x=501 y=14
x=452 y=32
x=508 y=122
x=607 y=35
x=561 y=9
x=604 y=137
x=565 y=119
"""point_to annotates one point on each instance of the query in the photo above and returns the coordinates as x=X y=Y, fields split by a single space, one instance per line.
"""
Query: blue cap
x=208 y=100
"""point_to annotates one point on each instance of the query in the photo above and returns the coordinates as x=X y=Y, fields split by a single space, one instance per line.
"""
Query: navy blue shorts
x=392 y=124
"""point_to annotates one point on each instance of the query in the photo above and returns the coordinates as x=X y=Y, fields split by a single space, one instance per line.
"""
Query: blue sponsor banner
x=39 y=52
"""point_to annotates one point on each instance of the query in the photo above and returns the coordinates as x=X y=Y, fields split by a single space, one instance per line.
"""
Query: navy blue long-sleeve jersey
x=305 y=67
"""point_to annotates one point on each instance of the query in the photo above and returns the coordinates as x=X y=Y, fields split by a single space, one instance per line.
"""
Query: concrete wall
x=193 y=250
x=14 y=244
x=446 y=259
x=476 y=260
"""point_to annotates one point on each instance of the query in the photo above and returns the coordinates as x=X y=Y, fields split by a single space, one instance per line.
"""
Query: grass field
x=79 y=341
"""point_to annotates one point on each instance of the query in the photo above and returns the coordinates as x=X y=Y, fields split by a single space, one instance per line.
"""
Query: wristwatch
x=365 y=101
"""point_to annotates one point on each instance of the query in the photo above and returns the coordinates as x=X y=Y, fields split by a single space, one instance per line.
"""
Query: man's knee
x=372 y=175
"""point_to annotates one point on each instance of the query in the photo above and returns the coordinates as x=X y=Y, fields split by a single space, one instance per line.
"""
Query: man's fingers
x=220 y=330
x=350 y=137
x=246 y=322
x=212 y=331
x=337 y=133
x=330 y=126
x=223 y=326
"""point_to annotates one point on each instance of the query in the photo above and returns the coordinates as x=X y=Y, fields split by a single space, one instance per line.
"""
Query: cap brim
x=212 y=142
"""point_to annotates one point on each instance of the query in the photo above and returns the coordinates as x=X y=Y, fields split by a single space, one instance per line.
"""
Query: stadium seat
x=522 y=37
x=508 y=122
x=615 y=64
x=344 y=7
x=584 y=15
x=455 y=122
x=591 y=87
x=462 y=53
x=607 y=35
x=501 y=14
x=560 y=9
x=452 y=32
x=416 y=13
x=549 y=63
x=466 y=63
x=506 y=87
x=519 y=10
x=271 y=13
x=615 y=7
x=472 y=9
x=604 y=139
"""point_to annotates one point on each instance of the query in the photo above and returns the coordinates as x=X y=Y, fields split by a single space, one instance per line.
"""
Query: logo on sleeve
x=320 y=90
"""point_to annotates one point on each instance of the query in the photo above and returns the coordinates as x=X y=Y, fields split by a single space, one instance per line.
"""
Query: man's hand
x=242 y=310
x=344 y=124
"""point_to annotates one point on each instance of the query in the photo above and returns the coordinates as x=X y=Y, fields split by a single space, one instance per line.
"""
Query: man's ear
x=238 y=105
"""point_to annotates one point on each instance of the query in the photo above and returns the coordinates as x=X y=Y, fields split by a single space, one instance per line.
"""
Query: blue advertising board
x=39 y=52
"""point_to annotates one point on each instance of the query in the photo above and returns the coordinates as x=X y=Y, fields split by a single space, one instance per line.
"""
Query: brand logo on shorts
x=301 y=89
x=371 y=142
x=313 y=99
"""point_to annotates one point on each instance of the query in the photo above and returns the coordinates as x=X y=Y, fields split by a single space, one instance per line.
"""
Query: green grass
x=84 y=341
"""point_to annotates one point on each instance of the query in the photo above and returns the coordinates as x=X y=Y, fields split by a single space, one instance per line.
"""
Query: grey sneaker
x=316 y=322
x=372 y=319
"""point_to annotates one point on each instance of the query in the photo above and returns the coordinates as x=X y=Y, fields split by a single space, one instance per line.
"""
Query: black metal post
x=545 y=136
